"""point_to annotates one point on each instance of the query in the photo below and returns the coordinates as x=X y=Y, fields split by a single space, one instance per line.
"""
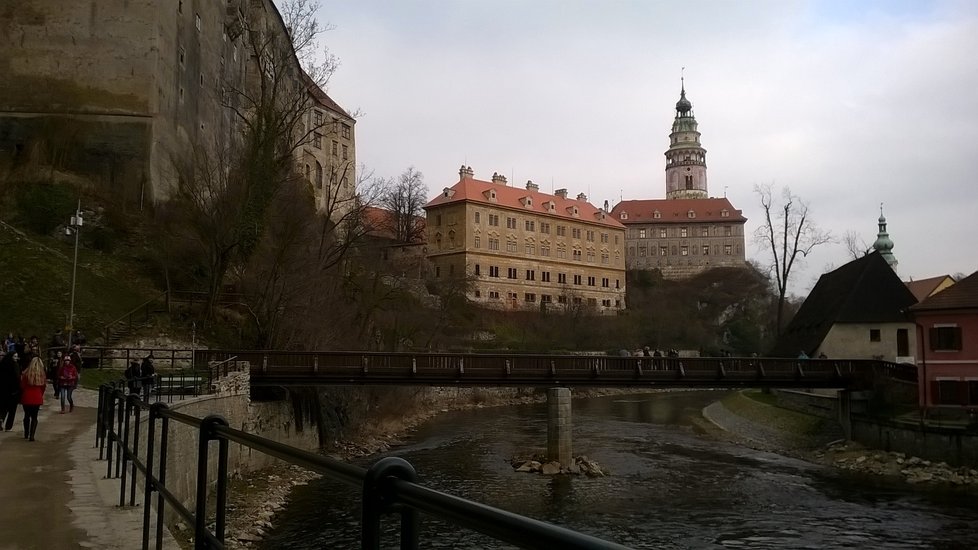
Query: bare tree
x=787 y=232
x=405 y=200
x=855 y=245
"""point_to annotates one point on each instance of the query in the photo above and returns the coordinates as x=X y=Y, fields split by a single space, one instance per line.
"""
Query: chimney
x=498 y=179
x=465 y=173
x=605 y=206
x=562 y=193
x=582 y=197
x=530 y=186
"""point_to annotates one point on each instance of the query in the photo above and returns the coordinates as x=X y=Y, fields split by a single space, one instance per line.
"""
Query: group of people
x=24 y=379
x=141 y=376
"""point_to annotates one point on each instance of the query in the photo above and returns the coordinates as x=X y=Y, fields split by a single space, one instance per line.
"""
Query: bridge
x=390 y=486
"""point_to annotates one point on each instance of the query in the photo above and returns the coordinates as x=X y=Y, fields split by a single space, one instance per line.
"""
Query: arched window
x=319 y=175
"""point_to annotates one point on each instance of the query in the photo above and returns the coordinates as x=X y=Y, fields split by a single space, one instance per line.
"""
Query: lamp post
x=74 y=226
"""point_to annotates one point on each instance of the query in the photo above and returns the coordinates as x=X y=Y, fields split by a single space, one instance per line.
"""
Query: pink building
x=947 y=336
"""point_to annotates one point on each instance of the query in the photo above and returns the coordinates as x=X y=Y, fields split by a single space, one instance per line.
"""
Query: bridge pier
x=844 y=399
x=559 y=426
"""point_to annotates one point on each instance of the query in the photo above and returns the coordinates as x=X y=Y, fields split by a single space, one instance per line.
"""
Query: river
x=670 y=487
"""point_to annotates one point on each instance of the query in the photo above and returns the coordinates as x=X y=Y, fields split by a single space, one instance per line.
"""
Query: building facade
x=123 y=92
x=522 y=249
x=328 y=155
x=687 y=232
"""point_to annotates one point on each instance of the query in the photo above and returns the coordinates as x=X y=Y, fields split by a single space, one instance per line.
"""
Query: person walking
x=67 y=382
x=147 y=373
x=9 y=390
x=32 y=386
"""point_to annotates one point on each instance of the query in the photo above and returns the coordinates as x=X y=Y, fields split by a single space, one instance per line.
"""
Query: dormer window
x=573 y=210
x=490 y=194
x=448 y=192
x=551 y=206
x=656 y=214
x=527 y=201
x=691 y=214
x=724 y=213
x=623 y=215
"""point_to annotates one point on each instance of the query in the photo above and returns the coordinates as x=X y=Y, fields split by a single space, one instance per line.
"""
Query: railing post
x=99 y=432
x=638 y=368
x=149 y=486
x=378 y=499
x=110 y=434
x=120 y=410
x=509 y=368
x=200 y=517
x=461 y=366
x=160 y=501
x=124 y=451
x=135 y=452
x=414 y=366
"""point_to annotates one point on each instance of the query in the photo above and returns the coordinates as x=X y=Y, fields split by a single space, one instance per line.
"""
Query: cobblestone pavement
x=54 y=491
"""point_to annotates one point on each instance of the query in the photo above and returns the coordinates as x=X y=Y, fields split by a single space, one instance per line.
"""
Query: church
x=689 y=231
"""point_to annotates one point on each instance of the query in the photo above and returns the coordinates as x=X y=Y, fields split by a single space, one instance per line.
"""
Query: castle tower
x=685 y=158
x=883 y=244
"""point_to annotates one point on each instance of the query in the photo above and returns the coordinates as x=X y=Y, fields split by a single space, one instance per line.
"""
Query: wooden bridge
x=282 y=368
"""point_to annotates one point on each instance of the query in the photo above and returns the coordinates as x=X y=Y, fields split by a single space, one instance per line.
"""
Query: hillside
x=35 y=285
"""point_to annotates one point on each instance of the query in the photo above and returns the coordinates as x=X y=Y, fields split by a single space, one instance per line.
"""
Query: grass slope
x=35 y=286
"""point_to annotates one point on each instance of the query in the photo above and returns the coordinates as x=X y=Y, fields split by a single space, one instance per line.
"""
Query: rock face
x=581 y=465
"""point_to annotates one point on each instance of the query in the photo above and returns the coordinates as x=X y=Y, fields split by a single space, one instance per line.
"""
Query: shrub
x=44 y=206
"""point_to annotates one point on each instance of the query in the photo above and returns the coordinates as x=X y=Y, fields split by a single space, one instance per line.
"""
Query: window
x=561 y=231
x=727 y=231
x=683 y=232
x=577 y=279
x=476 y=217
x=346 y=131
x=706 y=250
x=643 y=251
x=606 y=303
x=590 y=256
x=437 y=271
x=197 y=21
x=726 y=249
x=511 y=273
x=945 y=338
x=478 y=294
x=704 y=232
x=605 y=282
x=180 y=6
x=591 y=281
x=346 y=152
x=317 y=141
x=577 y=255
x=530 y=297
x=663 y=250
x=478 y=242
x=562 y=278
x=903 y=342
x=576 y=232
x=617 y=283
x=494 y=294
x=544 y=250
x=604 y=238
x=545 y=228
x=529 y=225
x=531 y=275
x=562 y=299
x=319 y=175
x=684 y=251
x=605 y=257
x=530 y=249
x=336 y=148
x=510 y=223
x=477 y=270
x=545 y=276
x=494 y=271
x=493 y=244
x=546 y=298
x=662 y=233
x=874 y=335
x=494 y=219
x=589 y=236
x=511 y=246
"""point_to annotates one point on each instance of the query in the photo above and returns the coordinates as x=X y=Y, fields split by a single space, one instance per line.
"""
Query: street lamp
x=74 y=226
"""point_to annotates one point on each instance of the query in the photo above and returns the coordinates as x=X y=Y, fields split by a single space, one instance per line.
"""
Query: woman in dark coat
x=9 y=390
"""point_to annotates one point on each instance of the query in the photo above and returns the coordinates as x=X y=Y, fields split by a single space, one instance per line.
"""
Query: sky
x=849 y=104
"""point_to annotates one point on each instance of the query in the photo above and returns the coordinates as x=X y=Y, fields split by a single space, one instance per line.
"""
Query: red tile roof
x=323 y=98
x=961 y=295
x=676 y=211
x=515 y=198
x=925 y=287
x=379 y=222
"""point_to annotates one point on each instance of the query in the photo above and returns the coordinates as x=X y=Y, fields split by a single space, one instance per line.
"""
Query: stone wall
x=954 y=446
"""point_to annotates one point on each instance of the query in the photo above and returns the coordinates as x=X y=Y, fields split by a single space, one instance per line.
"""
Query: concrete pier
x=559 y=426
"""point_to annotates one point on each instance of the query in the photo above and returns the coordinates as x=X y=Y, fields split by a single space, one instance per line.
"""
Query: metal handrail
x=388 y=487
x=128 y=315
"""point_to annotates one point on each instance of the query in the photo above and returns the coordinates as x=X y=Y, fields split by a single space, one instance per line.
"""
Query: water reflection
x=669 y=487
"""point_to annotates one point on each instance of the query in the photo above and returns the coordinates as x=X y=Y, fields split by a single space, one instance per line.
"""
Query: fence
x=389 y=487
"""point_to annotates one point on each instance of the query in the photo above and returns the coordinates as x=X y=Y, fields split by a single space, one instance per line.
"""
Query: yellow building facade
x=518 y=248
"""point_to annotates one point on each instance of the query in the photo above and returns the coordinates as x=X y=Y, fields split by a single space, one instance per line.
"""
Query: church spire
x=883 y=244
x=685 y=158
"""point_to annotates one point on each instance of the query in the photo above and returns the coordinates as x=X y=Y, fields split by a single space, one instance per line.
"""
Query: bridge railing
x=389 y=487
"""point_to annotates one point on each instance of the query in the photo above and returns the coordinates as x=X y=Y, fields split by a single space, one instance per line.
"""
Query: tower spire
x=883 y=244
x=685 y=158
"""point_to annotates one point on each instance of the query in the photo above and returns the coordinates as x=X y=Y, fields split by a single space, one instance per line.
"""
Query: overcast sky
x=849 y=103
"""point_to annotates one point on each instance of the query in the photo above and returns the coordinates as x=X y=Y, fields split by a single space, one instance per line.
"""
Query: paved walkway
x=53 y=490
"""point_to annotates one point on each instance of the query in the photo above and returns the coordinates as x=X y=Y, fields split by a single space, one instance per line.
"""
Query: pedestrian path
x=53 y=490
